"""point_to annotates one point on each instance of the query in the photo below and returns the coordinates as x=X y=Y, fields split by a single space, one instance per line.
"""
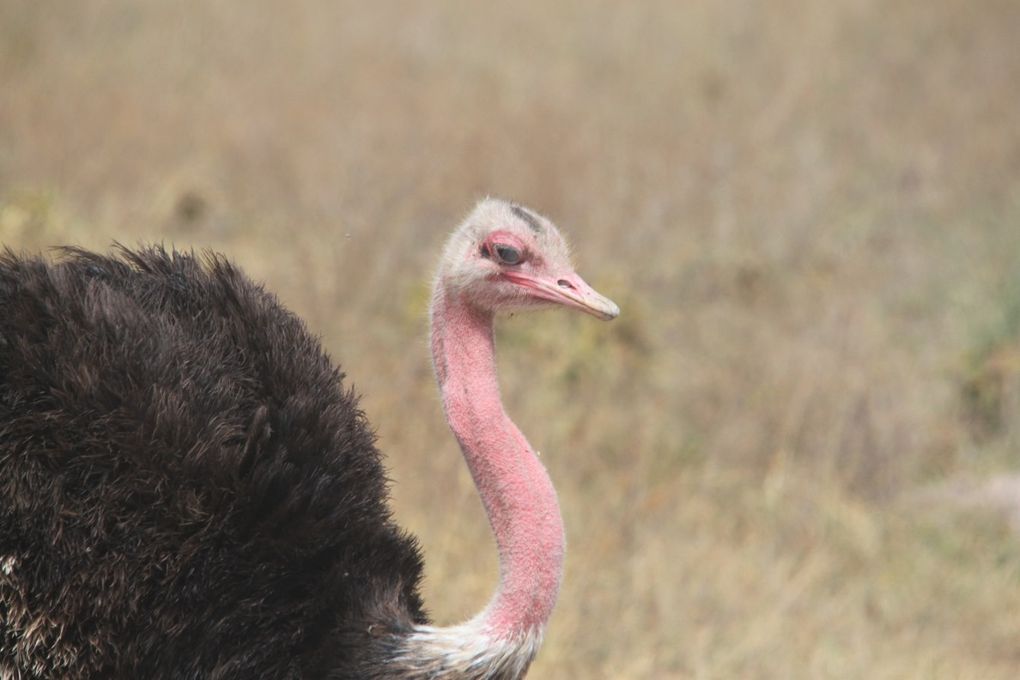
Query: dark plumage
x=186 y=488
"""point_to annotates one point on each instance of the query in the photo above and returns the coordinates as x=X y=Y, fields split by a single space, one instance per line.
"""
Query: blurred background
x=795 y=453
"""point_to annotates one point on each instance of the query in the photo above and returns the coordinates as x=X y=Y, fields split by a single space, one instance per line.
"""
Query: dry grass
x=808 y=212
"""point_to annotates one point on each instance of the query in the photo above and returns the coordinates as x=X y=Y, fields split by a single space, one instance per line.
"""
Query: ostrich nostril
x=563 y=283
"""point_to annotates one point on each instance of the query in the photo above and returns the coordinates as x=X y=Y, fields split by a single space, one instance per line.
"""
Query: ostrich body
x=188 y=491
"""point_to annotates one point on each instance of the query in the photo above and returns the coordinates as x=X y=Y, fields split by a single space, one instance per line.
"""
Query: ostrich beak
x=567 y=289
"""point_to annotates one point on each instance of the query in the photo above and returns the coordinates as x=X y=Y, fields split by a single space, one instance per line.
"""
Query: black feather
x=187 y=490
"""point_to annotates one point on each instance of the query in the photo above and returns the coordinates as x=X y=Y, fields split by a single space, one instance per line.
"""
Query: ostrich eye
x=507 y=254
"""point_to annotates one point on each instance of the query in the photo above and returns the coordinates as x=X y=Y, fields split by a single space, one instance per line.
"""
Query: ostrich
x=187 y=490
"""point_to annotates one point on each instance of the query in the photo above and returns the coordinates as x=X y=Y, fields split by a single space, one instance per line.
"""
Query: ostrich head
x=506 y=257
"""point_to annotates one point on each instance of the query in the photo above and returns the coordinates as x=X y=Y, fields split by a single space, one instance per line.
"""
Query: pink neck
x=515 y=489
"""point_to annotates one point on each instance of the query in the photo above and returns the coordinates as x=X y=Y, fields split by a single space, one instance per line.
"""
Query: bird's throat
x=515 y=489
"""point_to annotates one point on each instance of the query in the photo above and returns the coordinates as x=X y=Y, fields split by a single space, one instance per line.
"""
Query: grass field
x=809 y=213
